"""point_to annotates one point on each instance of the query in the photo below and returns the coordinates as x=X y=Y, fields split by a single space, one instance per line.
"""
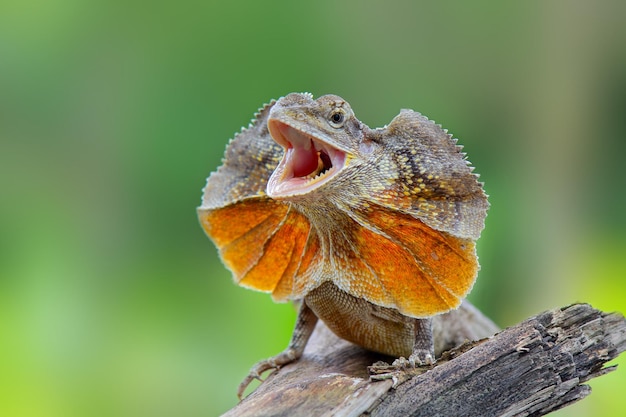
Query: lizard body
x=373 y=229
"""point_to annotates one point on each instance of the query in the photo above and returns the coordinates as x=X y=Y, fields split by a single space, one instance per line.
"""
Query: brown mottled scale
x=374 y=229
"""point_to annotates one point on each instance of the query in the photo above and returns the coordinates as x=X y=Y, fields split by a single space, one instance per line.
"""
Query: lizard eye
x=337 y=117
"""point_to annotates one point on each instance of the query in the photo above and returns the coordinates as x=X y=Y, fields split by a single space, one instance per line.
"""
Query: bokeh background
x=112 y=114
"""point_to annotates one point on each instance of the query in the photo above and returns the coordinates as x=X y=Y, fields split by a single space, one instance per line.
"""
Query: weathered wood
x=532 y=368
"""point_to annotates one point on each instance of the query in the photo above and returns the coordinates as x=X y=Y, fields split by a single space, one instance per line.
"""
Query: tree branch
x=532 y=368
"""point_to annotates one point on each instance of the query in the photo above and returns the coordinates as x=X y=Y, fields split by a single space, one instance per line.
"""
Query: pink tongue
x=304 y=162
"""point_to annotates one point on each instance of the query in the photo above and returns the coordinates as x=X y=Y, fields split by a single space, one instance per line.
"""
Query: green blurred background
x=112 y=114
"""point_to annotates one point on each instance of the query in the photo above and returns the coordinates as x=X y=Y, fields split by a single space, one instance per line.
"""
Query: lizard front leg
x=305 y=323
x=423 y=355
x=424 y=344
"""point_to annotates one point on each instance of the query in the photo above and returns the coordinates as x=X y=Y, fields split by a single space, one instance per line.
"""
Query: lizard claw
x=402 y=369
x=402 y=363
x=421 y=357
x=255 y=373
x=274 y=363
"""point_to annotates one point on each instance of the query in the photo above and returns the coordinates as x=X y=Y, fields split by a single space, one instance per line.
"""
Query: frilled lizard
x=373 y=230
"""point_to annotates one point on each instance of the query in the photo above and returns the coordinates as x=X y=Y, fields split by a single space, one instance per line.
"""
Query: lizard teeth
x=307 y=164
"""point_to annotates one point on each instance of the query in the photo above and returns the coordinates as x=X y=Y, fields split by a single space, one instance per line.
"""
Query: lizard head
x=317 y=137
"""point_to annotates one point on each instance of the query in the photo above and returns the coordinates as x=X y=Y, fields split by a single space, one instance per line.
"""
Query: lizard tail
x=464 y=324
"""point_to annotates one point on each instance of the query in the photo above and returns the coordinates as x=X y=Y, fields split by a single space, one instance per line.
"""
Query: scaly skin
x=373 y=229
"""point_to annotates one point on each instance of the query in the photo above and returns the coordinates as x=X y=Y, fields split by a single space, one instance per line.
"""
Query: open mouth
x=308 y=162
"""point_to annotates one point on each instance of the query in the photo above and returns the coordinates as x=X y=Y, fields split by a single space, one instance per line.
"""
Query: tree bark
x=529 y=369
